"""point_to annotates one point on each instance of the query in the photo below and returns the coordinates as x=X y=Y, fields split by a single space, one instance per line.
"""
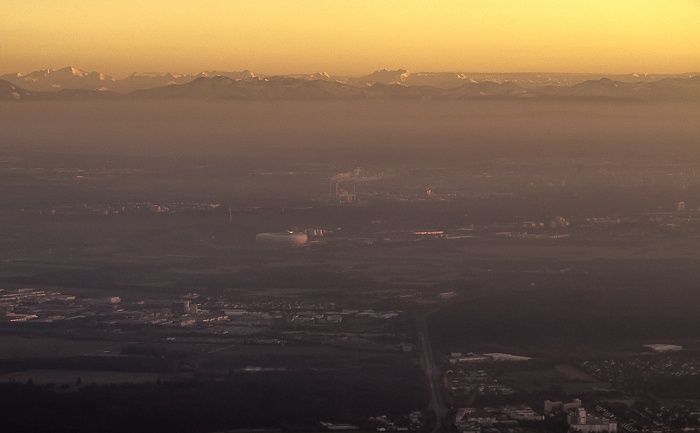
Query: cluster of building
x=508 y=418
x=504 y=419
x=299 y=320
x=415 y=421
x=311 y=317
x=522 y=413
x=580 y=420
x=132 y=207
x=27 y=304
x=466 y=382
x=637 y=369
x=652 y=416
x=630 y=418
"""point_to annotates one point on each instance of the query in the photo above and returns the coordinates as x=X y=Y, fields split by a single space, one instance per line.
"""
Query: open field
x=87 y=377
x=12 y=346
x=543 y=381
x=574 y=373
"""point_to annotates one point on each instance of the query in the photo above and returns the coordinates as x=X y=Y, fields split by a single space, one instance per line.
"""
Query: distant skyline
x=352 y=38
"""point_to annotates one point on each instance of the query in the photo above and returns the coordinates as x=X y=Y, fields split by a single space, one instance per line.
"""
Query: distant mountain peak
x=395 y=71
x=383 y=76
x=69 y=70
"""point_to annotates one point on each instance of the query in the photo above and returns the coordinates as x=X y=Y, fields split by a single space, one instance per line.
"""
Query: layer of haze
x=352 y=37
x=355 y=132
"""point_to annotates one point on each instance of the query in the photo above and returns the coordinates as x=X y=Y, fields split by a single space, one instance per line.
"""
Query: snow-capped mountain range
x=72 y=83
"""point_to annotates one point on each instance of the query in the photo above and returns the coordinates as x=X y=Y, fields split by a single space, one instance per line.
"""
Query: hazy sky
x=352 y=37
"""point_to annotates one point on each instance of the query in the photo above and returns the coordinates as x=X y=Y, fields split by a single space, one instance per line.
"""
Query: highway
x=432 y=374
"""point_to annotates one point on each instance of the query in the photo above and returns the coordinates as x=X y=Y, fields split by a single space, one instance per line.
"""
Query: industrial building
x=581 y=421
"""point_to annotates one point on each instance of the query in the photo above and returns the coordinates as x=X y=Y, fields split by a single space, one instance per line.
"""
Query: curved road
x=432 y=373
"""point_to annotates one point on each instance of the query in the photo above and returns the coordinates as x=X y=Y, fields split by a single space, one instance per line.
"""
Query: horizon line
x=116 y=77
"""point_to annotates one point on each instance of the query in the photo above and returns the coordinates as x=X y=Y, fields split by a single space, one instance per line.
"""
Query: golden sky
x=351 y=37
